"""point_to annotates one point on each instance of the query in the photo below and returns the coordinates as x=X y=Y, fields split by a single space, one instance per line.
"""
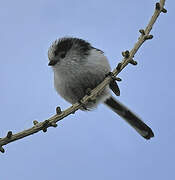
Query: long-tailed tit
x=77 y=67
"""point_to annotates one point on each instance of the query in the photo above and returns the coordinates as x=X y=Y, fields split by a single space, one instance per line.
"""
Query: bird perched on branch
x=77 y=67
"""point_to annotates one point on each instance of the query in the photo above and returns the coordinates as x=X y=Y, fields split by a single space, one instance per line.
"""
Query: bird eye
x=56 y=53
x=62 y=55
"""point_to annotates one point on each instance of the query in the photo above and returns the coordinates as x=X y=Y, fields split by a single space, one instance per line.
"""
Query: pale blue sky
x=98 y=144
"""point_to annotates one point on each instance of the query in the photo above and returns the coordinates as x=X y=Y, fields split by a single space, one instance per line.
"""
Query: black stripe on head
x=65 y=44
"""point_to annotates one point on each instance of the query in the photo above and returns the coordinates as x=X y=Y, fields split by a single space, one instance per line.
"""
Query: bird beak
x=52 y=62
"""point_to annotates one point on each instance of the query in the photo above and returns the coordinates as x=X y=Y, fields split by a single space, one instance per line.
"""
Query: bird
x=79 y=66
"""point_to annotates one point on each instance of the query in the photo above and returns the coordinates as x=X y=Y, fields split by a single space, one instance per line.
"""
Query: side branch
x=128 y=58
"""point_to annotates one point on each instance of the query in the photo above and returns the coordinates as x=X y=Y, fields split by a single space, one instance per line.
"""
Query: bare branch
x=128 y=58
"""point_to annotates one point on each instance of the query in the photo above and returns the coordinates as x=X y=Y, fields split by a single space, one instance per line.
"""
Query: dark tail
x=130 y=117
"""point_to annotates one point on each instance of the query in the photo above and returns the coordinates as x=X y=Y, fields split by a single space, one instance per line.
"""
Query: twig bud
x=58 y=110
x=119 y=66
x=82 y=104
x=73 y=112
x=148 y=37
x=142 y=31
x=88 y=91
x=93 y=100
x=114 y=87
x=133 y=62
x=125 y=54
x=164 y=10
x=54 y=124
x=158 y=6
x=118 y=79
x=9 y=134
x=2 y=149
x=45 y=125
x=35 y=122
x=45 y=130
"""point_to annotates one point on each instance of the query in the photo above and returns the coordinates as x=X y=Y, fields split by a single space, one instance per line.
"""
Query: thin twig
x=128 y=58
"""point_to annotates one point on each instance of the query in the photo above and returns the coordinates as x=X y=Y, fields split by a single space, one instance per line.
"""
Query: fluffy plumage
x=78 y=66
